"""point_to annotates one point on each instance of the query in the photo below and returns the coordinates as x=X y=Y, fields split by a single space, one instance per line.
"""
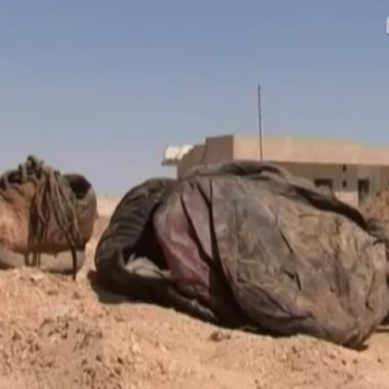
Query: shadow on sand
x=104 y=295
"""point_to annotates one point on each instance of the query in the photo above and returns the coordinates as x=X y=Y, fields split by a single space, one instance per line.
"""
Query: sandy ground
x=106 y=205
x=56 y=333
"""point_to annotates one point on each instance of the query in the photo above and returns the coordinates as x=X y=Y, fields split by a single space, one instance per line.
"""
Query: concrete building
x=353 y=171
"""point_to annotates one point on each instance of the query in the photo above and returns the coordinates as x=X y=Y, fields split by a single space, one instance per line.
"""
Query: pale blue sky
x=101 y=87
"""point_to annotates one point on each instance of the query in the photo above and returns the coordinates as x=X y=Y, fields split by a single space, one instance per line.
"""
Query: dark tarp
x=249 y=243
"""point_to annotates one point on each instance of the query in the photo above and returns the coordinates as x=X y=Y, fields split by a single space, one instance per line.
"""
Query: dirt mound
x=58 y=333
x=48 y=340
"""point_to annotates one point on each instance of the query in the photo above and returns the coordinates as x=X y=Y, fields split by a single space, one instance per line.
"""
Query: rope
x=51 y=208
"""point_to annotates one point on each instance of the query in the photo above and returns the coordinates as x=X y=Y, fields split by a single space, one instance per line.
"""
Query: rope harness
x=52 y=205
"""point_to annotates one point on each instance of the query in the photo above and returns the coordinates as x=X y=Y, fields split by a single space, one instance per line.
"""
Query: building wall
x=218 y=149
x=374 y=175
x=384 y=176
x=308 y=150
x=344 y=178
x=343 y=162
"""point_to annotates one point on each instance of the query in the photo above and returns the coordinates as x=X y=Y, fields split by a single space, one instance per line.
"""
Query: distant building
x=353 y=171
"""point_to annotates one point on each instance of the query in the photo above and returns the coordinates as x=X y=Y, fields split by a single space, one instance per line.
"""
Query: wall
x=217 y=149
x=373 y=174
x=384 y=176
x=192 y=158
x=349 y=176
x=310 y=158
x=308 y=150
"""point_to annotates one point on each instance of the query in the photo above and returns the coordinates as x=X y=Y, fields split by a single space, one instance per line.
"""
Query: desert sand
x=56 y=333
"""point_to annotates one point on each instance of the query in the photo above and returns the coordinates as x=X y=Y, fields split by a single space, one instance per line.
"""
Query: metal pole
x=260 y=123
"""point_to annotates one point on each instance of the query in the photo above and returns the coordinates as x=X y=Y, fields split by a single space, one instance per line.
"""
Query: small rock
x=36 y=277
x=218 y=336
x=52 y=292
x=332 y=355
x=283 y=357
x=16 y=336
x=119 y=319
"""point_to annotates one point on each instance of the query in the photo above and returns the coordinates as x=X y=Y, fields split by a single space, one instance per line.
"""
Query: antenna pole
x=260 y=123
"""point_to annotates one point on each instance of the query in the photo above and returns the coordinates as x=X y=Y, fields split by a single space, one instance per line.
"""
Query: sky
x=102 y=87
